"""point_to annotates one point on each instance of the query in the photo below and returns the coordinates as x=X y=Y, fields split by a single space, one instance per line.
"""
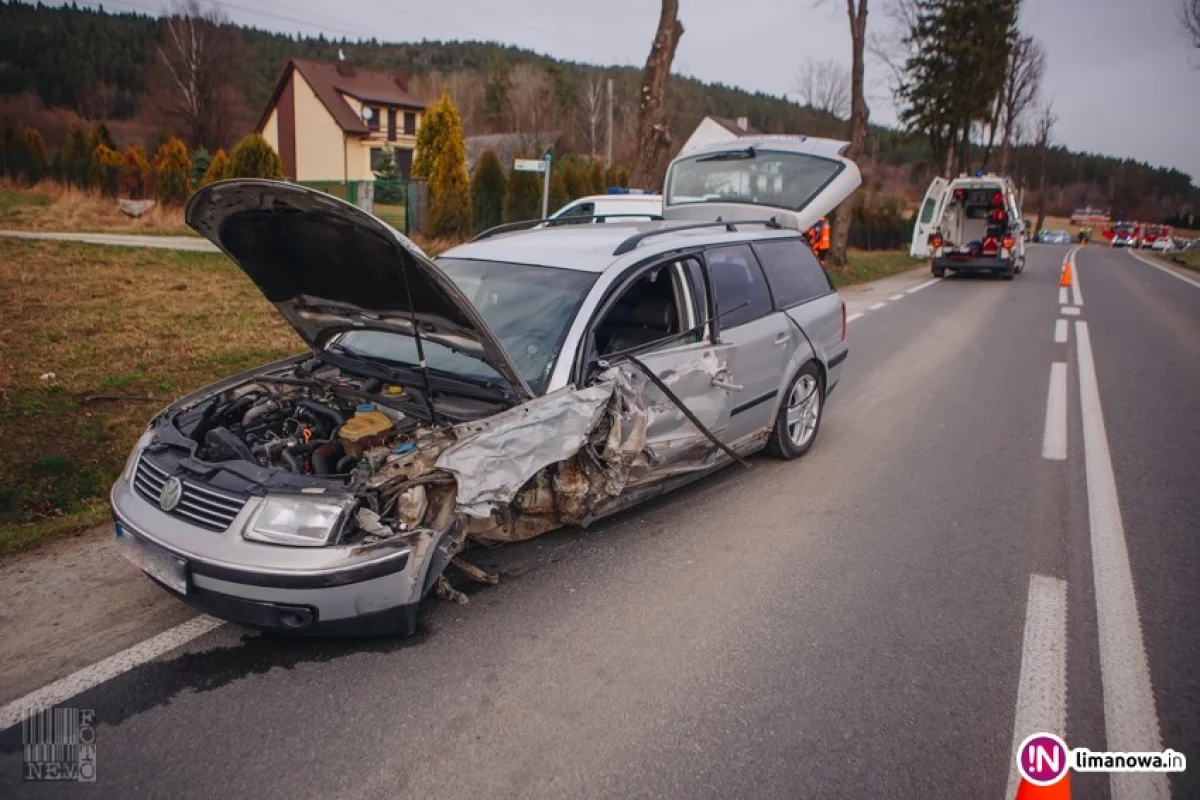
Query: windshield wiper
x=732 y=155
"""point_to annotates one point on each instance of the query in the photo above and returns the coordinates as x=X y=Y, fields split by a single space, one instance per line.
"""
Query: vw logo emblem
x=168 y=498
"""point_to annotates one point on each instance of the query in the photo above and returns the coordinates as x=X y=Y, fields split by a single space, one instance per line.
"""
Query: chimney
x=743 y=123
x=401 y=78
x=346 y=69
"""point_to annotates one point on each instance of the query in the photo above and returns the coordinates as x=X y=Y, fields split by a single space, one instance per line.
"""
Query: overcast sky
x=1120 y=75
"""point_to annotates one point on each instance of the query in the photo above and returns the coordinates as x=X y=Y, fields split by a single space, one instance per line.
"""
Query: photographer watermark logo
x=1043 y=759
x=171 y=492
x=59 y=745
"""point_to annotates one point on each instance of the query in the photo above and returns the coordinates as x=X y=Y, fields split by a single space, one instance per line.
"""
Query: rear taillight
x=1008 y=243
x=843 y=321
x=937 y=240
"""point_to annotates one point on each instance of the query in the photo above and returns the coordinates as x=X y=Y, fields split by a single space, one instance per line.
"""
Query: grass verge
x=870 y=265
x=1188 y=259
x=53 y=206
x=95 y=341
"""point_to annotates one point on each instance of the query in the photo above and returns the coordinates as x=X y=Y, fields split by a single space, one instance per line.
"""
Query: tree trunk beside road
x=857 y=12
x=654 y=134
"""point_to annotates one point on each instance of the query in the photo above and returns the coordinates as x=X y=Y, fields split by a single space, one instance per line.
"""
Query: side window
x=653 y=307
x=579 y=210
x=793 y=271
x=927 y=210
x=738 y=281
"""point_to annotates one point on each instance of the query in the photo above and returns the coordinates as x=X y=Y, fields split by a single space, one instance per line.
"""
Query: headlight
x=299 y=521
x=127 y=473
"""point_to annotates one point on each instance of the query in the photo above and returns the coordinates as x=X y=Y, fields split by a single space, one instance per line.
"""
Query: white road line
x=107 y=669
x=1042 y=690
x=1063 y=297
x=896 y=297
x=1076 y=297
x=1054 y=435
x=853 y=317
x=876 y=307
x=1070 y=311
x=1171 y=272
x=1060 y=331
x=1130 y=718
x=921 y=286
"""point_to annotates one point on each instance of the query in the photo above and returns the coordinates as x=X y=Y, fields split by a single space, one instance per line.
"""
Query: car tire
x=798 y=420
x=939 y=272
x=1008 y=276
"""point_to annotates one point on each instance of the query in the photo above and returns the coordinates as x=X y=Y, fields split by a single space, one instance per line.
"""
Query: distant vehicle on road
x=1163 y=244
x=616 y=206
x=1125 y=234
x=1152 y=234
x=1055 y=237
x=971 y=224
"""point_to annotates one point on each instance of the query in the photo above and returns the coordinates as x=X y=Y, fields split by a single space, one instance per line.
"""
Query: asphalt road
x=868 y=621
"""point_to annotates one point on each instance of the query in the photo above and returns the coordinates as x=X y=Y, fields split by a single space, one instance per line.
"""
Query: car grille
x=198 y=505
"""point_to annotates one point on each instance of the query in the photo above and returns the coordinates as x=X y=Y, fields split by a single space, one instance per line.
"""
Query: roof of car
x=589 y=248
x=622 y=198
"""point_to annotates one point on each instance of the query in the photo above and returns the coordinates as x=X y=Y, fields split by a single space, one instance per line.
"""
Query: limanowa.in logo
x=1044 y=758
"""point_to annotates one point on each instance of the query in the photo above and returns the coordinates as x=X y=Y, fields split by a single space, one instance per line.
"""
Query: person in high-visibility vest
x=819 y=238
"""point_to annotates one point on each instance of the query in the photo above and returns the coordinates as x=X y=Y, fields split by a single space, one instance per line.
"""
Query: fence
x=399 y=203
x=867 y=236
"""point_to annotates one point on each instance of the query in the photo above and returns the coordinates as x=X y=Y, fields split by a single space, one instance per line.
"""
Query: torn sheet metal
x=495 y=457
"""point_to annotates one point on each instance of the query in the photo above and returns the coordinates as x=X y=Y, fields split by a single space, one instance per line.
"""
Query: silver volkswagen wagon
x=524 y=381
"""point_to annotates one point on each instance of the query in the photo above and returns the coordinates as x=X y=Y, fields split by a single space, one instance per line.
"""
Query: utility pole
x=608 y=152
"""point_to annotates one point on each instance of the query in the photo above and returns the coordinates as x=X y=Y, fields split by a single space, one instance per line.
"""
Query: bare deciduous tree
x=1044 y=127
x=1025 y=67
x=1189 y=17
x=593 y=103
x=825 y=86
x=856 y=10
x=654 y=132
x=532 y=100
x=197 y=62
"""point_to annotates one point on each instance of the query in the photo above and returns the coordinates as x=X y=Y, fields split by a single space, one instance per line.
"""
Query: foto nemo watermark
x=1044 y=758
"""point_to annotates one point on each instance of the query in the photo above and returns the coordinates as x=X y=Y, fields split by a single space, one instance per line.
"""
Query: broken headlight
x=297 y=521
x=135 y=454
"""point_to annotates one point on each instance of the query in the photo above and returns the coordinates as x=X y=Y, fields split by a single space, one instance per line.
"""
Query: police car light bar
x=622 y=190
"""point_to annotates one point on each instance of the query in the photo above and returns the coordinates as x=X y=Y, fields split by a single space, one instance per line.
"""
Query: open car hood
x=330 y=267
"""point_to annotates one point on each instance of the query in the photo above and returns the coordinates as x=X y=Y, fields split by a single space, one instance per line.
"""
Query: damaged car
x=524 y=381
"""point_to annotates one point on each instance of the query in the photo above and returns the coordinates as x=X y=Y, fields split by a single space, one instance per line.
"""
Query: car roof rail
x=731 y=226
x=526 y=224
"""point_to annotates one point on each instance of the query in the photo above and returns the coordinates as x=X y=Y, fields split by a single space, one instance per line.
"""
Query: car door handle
x=782 y=339
x=721 y=381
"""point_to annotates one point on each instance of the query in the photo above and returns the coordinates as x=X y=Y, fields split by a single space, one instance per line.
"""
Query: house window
x=373 y=123
x=410 y=123
x=391 y=124
x=404 y=162
x=376 y=155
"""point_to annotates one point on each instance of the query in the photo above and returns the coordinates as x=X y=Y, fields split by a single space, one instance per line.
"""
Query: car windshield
x=761 y=177
x=1124 y=229
x=528 y=308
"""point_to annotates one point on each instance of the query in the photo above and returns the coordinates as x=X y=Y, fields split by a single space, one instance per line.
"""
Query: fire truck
x=1152 y=233
x=1124 y=234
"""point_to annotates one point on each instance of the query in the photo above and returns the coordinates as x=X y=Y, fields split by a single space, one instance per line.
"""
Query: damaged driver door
x=660 y=316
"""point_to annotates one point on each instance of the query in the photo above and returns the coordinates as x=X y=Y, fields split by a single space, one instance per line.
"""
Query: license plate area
x=155 y=561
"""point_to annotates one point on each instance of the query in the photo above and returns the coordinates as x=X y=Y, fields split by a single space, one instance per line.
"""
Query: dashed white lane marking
x=876 y=307
x=896 y=297
x=109 y=668
x=1042 y=689
x=1151 y=263
x=1070 y=311
x=1054 y=435
x=1130 y=717
x=1060 y=331
x=921 y=286
x=853 y=317
x=1076 y=296
x=1063 y=297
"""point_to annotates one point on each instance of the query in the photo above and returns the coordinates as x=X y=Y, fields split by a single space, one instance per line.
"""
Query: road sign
x=530 y=165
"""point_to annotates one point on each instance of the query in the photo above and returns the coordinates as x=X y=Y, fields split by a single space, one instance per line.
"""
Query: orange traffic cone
x=1065 y=280
x=1055 y=791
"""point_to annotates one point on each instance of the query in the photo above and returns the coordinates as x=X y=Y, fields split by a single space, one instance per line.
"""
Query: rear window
x=793 y=271
x=738 y=281
x=761 y=177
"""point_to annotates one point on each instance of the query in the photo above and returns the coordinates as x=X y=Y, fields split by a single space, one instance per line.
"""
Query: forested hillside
x=73 y=61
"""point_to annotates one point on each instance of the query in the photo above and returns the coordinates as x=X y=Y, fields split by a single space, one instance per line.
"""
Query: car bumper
x=978 y=265
x=340 y=591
